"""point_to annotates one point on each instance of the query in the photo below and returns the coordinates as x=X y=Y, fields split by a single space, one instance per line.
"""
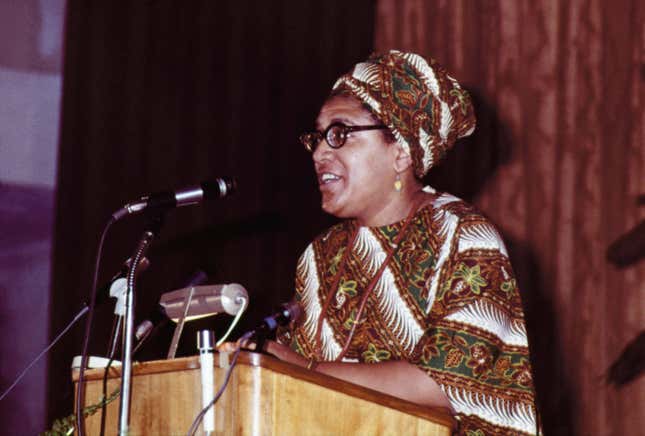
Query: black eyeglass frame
x=312 y=139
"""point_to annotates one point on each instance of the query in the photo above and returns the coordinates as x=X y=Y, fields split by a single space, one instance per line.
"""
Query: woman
x=413 y=295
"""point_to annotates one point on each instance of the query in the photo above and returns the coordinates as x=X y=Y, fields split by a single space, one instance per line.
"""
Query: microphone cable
x=80 y=388
x=78 y=316
x=238 y=315
x=116 y=327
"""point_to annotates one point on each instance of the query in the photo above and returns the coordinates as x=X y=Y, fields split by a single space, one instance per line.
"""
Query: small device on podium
x=206 y=346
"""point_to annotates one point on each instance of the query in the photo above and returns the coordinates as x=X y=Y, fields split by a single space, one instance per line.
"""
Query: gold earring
x=398 y=184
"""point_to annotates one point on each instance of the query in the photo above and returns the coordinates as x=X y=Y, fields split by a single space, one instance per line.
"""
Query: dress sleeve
x=475 y=344
x=297 y=335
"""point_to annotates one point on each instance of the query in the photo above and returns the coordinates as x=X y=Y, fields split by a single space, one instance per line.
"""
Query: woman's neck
x=397 y=209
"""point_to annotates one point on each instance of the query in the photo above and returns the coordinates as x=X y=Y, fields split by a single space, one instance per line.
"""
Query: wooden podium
x=265 y=396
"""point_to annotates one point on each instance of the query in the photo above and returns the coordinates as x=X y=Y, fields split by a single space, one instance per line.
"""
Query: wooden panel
x=265 y=396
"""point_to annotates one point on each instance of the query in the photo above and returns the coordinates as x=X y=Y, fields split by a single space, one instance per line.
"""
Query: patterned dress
x=446 y=301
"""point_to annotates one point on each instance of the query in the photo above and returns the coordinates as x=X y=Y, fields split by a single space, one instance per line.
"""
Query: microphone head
x=220 y=187
x=289 y=312
x=293 y=311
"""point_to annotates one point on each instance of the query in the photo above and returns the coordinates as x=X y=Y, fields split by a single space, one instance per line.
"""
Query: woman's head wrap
x=425 y=108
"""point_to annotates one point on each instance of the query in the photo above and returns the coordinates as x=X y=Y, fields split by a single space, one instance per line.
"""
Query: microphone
x=218 y=188
x=158 y=315
x=288 y=312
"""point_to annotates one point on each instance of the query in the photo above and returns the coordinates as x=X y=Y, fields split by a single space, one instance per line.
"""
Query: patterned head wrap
x=425 y=108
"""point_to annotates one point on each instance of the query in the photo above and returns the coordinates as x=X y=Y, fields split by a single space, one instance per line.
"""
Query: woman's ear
x=402 y=159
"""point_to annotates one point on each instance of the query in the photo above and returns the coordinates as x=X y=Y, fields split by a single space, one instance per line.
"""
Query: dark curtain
x=558 y=162
x=164 y=94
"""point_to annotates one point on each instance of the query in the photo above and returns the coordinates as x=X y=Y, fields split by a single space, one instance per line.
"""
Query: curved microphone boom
x=218 y=188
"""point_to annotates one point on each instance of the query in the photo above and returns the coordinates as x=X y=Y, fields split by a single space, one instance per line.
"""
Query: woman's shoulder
x=451 y=215
x=465 y=225
x=444 y=203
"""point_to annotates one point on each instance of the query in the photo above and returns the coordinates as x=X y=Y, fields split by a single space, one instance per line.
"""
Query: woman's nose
x=322 y=151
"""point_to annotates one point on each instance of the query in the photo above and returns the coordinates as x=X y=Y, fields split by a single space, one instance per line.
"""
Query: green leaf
x=471 y=276
x=348 y=288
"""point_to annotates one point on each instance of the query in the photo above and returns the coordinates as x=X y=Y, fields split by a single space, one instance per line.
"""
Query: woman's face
x=356 y=180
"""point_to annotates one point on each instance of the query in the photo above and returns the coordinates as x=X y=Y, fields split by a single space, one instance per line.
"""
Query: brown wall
x=558 y=163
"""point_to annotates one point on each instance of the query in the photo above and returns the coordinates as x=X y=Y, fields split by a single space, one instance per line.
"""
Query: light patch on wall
x=51 y=35
x=29 y=119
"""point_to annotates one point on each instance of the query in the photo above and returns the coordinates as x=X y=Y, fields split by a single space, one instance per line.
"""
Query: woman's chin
x=333 y=207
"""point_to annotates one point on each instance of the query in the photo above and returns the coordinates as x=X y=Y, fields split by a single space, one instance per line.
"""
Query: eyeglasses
x=335 y=135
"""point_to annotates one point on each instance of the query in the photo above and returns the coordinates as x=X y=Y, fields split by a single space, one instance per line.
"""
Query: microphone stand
x=155 y=221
